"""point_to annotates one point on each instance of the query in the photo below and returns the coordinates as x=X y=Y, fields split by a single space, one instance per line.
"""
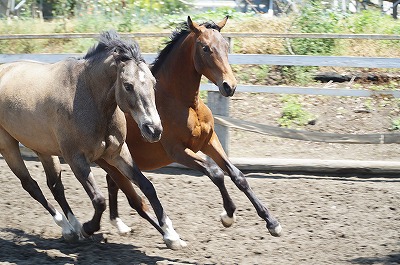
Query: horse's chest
x=199 y=129
x=105 y=138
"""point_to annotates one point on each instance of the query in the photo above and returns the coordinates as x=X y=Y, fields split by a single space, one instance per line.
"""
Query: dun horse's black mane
x=110 y=41
x=180 y=32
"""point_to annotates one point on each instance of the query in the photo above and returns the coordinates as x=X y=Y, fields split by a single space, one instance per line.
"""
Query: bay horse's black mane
x=110 y=41
x=180 y=32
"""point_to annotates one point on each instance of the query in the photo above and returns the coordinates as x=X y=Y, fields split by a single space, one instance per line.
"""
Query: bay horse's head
x=211 y=55
x=134 y=85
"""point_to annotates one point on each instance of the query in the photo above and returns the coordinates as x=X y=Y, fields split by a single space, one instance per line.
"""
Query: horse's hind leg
x=217 y=153
x=187 y=157
x=112 y=188
x=135 y=201
x=52 y=168
x=10 y=150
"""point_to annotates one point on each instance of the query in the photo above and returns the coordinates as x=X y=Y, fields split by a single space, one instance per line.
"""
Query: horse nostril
x=153 y=131
x=157 y=133
x=228 y=89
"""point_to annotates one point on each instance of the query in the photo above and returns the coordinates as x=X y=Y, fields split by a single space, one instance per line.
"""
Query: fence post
x=219 y=105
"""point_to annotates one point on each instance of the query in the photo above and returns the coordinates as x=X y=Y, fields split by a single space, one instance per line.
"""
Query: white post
x=344 y=6
x=271 y=8
x=219 y=105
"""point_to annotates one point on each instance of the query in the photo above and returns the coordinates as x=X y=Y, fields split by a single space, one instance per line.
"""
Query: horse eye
x=206 y=48
x=128 y=87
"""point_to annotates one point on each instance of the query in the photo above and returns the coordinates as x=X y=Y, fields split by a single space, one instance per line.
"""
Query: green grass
x=293 y=113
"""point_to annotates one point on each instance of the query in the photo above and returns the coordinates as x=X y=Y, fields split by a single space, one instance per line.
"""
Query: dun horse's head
x=135 y=93
x=211 y=55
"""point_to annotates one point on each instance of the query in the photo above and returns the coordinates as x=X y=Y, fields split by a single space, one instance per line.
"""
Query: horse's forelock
x=211 y=25
x=128 y=51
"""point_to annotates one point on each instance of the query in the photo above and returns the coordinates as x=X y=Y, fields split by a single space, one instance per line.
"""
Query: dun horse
x=75 y=109
x=193 y=51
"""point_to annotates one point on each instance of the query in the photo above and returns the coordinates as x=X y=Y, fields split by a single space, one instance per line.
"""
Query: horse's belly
x=38 y=137
x=45 y=148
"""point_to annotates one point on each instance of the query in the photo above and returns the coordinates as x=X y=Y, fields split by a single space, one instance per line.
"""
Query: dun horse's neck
x=180 y=76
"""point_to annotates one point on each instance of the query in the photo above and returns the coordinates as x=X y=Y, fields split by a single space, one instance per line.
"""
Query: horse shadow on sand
x=393 y=258
x=20 y=247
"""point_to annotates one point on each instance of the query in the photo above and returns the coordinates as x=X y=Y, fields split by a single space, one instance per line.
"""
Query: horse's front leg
x=187 y=157
x=124 y=163
x=214 y=150
x=81 y=168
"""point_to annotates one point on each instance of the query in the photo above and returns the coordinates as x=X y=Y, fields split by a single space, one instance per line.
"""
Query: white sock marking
x=61 y=221
x=122 y=228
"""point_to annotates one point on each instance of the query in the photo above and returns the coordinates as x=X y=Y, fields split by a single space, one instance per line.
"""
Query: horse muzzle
x=226 y=89
x=151 y=132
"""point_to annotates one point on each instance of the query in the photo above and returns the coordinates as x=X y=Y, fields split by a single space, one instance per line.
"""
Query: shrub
x=293 y=113
x=315 y=19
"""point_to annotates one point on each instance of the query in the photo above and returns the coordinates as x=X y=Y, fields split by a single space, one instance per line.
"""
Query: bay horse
x=75 y=109
x=194 y=50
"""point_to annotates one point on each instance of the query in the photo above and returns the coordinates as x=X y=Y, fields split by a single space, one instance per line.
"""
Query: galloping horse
x=75 y=109
x=193 y=51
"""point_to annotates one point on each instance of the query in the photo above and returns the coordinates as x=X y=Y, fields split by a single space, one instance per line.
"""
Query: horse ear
x=222 y=23
x=117 y=57
x=192 y=25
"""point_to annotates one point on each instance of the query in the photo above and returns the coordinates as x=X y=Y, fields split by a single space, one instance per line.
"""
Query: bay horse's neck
x=178 y=75
x=101 y=79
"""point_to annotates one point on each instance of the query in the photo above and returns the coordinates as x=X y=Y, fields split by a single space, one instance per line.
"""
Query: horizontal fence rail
x=375 y=138
x=340 y=92
x=225 y=34
x=253 y=59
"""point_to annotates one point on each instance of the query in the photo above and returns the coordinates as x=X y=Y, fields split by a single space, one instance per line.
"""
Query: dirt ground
x=326 y=219
x=353 y=115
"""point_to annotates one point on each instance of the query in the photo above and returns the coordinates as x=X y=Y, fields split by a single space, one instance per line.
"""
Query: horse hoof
x=226 y=220
x=275 y=229
x=175 y=244
x=122 y=228
x=71 y=237
x=84 y=234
